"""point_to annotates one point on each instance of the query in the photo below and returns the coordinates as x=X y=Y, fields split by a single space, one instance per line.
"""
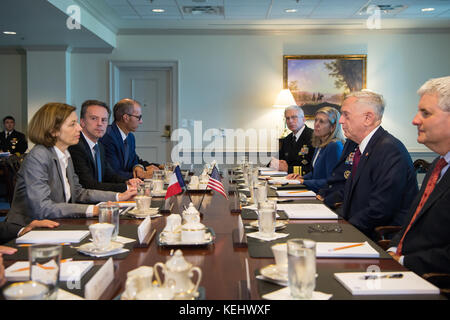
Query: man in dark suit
x=120 y=144
x=12 y=141
x=423 y=244
x=333 y=194
x=89 y=154
x=295 y=149
x=383 y=183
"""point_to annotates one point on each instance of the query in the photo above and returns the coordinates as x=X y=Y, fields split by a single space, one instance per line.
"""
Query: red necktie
x=428 y=189
x=356 y=158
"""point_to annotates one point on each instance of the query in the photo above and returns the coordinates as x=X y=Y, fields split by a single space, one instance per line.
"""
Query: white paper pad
x=285 y=294
x=70 y=270
x=101 y=255
x=53 y=236
x=257 y=235
x=273 y=173
x=325 y=250
x=282 y=180
x=124 y=240
x=411 y=283
x=307 y=211
x=296 y=193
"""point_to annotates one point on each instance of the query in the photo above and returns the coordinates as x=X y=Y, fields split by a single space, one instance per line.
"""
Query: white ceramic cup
x=173 y=222
x=193 y=184
x=143 y=203
x=101 y=234
x=280 y=254
x=138 y=280
x=30 y=290
x=158 y=185
x=155 y=293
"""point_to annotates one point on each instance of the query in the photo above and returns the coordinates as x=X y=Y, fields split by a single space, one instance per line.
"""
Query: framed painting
x=316 y=81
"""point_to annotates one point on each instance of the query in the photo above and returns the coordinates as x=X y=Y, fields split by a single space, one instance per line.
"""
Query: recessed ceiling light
x=158 y=10
x=427 y=9
x=9 y=32
x=290 y=10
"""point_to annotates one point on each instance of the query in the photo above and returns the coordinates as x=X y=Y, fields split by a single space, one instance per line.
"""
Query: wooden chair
x=440 y=280
x=421 y=166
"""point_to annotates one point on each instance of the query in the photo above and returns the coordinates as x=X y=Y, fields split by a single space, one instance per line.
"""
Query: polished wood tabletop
x=222 y=263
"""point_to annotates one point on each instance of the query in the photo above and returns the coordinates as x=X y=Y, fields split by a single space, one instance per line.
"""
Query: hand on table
x=128 y=195
x=134 y=182
x=39 y=224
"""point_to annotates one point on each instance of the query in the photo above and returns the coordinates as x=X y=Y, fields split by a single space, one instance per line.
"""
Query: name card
x=100 y=281
x=241 y=228
x=144 y=228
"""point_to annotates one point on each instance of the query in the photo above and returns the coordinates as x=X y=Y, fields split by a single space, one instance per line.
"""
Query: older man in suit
x=89 y=154
x=295 y=149
x=12 y=141
x=383 y=183
x=423 y=244
x=120 y=143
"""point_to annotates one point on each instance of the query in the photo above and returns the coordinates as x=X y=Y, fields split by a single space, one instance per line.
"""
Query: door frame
x=116 y=66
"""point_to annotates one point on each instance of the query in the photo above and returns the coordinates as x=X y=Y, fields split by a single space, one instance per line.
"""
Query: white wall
x=13 y=89
x=231 y=81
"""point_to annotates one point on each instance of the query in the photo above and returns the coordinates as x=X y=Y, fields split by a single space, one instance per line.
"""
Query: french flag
x=176 y=184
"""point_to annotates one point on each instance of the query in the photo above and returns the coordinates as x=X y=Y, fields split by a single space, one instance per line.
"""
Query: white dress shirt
x=299 y=133
x=366 y=140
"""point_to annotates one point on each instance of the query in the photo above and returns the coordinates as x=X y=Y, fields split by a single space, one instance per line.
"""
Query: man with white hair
x=295 y=149
x=382 y=183
x=423 y=245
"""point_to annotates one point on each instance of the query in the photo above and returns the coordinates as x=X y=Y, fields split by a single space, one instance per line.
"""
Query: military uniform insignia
x=304 y=161
x=304 y=150
x=349 y=159
x=347 y=174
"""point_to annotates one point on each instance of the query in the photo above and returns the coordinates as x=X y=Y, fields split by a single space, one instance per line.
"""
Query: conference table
x=223 y=263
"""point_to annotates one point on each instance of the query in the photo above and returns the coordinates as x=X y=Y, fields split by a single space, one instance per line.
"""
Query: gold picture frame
x=323 y=80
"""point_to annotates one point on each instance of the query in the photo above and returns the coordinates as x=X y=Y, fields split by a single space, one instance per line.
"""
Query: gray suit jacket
x=39 y=192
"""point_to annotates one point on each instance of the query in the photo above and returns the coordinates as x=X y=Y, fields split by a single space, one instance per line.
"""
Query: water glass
x=301 y=267
x=109 y=213
x=45 y=266
x=267 y=211
x=148 y=183
x=260 y=191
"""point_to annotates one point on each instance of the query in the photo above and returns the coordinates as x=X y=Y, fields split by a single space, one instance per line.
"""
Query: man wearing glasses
x=295 y=149
x=120 y=144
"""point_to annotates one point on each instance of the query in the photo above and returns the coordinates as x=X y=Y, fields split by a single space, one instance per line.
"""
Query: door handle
x=166 y=133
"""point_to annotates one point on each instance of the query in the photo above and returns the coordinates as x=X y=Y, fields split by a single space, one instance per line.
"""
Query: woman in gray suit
x=47 y=186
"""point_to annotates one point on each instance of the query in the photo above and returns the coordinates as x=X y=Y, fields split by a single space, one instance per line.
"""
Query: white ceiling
x=41 y=23
x=126 y=16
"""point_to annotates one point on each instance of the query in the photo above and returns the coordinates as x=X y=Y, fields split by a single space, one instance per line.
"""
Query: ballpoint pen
x=389 y=276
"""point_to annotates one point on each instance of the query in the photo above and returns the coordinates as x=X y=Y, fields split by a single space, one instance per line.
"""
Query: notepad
x=296 y=193
x=410 y=283
x=325 y=250
x=53 y=236
x=70 y=270
x=273 y=173
x=282 y=180
x=307 y=211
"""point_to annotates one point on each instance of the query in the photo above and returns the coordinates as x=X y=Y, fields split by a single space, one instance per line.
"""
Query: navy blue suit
x=8 y=231
x=333 y=192
x=325 y=163
x=297 y=153
x=384 y=186
x=115 y=152
x=85 y=168
x=426 y=246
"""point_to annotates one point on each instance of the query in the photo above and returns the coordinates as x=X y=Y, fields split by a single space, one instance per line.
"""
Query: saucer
x=146 y=212
x=272 y=272
x=89 y=248
x=278 y=224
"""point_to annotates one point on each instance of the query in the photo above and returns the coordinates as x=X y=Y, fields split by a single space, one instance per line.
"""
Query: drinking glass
x=109 y=213
x=301 y=267
x=45 y=266
x=267 y=211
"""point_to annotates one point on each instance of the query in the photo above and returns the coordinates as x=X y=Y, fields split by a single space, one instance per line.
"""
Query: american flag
x=215 y=184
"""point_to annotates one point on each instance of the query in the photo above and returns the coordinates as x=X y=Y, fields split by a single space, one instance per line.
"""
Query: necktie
x=426 y=194
x=356 y=158
x=126 y=152
x=98 y=163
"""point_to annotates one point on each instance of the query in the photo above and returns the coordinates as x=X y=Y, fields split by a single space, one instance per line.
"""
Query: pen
x=30 y=244
x=303 y=191
x=390 y=276
x=42 y=266
x=346 y=247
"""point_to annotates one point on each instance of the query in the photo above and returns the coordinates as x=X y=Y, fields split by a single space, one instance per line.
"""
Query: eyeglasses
x=323 y=229
x=139 y=117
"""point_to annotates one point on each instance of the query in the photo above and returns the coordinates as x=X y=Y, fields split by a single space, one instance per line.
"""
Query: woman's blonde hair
x=335 y=135
x=48 y=120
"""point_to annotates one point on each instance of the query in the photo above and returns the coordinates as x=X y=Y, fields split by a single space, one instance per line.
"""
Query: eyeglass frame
x=323 y=229
x=138 y=117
